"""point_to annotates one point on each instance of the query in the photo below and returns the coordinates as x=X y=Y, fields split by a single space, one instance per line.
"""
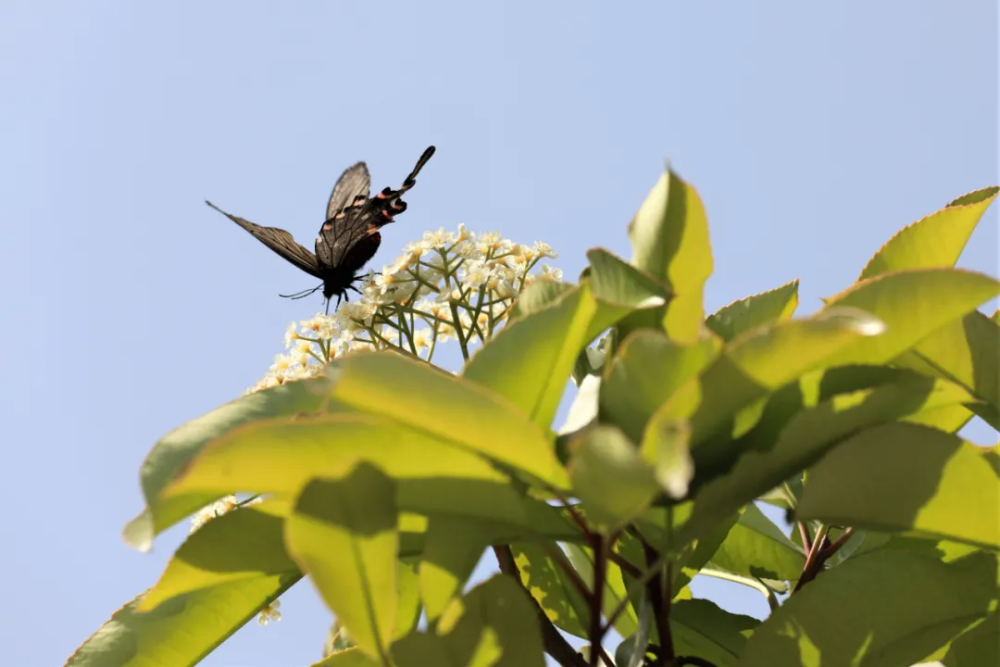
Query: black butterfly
x=349 y=237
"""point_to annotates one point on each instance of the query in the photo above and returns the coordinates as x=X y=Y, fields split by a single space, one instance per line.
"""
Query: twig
x=659 y=598
x=804 y=534
x=556 y=554
x=596 y=633
x=813 y=561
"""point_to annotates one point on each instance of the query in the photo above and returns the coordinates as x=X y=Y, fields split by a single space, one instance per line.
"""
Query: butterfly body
x=348 y=238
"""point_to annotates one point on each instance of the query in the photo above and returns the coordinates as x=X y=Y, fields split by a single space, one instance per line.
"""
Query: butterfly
x=349 y=237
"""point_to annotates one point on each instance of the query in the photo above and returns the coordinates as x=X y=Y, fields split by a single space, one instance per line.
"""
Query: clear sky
x=812 y=130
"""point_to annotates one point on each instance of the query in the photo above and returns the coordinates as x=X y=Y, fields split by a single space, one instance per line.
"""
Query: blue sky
x=813 y=131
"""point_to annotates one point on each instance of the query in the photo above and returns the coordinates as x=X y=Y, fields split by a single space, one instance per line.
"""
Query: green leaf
x=352 y=657
x=343 y=533
x=979 y=647
x=245 y=544
x=966 y=351
x=618 y=283
x=757 y=548
x=700 y=628
x=551 y=588
x=181 y=631
x=280 y=457
x=646 y=371
x=670 y=440
x=493 y=625
x=905 y=477
x=453 y=547
x=935 y=241
x=670 y=242
x=750 y=368
x=422 y=397
x=754 y=311
x=810 y=434
x=174 y=451
x=903 y=607
x=537 y=296
x=912 y=304
x=408 y=601
x=531 y=359
x=610 y=477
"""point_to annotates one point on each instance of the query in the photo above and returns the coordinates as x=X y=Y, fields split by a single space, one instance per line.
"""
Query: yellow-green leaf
x=912 y=304
x=807 y=437
x=905 y=477
x=647 y=369
x=344 y=535
x=670 y=242
x=610 y=477
x=551 y=588
x=898 y=623
x=244 y=544
x=935 y=241
x=282 y=456
x=453 y=547
x=741 y=316
x=529 y=361
x=181 y=631
x=616 y=282
x=422 y=397
x=174 y=451
x=966 y=351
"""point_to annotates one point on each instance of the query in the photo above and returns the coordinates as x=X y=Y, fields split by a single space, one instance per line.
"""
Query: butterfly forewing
x=279 y=241
x=352 y=183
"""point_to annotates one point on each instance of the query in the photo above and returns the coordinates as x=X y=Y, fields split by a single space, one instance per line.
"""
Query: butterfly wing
x=279 y=241
x=350 y=236
x=354 y=182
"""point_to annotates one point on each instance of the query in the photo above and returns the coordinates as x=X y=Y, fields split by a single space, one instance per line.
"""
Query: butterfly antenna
x=302 y=294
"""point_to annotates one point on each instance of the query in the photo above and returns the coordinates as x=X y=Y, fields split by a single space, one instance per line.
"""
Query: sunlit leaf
x=670 y=241
x=616 y=282
x=245 y=544
x=753 y=311
x=647 y=369
x=905 y=477
x=343 y=533
x=529 y=362
x=912 y=304
x=898 y=623
x=935 y=241
x=610 y=477
x=551 y=587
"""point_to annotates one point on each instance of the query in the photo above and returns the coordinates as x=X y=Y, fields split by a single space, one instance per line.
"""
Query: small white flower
x=550 y=273
x=542 y=249
x=439 y=239
x=477 y=272
x=291 y=335
x=422 y=338
x=270 y=613
x=216 y=509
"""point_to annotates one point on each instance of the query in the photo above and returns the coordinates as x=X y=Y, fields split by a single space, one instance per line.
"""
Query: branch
x=659 y=594
x=596 y=633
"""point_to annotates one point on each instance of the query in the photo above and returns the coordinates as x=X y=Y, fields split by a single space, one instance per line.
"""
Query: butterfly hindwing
x=279 y=241
x=360 y=219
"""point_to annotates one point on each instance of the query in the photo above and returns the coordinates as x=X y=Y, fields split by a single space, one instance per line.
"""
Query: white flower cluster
x=447 y=286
